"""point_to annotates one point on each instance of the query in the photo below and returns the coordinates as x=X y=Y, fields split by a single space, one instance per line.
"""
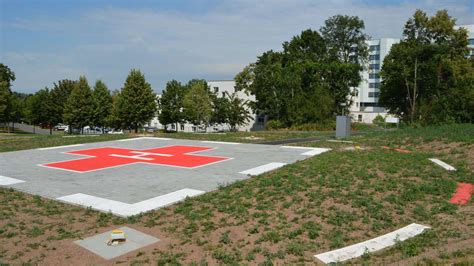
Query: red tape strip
x=462 y=194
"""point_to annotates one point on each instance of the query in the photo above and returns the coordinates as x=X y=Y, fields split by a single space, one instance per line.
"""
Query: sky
x=49 y=40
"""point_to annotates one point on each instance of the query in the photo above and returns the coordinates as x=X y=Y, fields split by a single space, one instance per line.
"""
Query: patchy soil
x=283 y=217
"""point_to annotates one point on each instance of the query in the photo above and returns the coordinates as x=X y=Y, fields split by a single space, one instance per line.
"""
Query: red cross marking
x=106 y=157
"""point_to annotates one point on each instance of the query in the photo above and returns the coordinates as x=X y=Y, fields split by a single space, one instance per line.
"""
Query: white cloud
x=106 y=43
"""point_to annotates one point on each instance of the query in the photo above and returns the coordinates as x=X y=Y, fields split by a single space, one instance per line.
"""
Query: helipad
x=136 y=175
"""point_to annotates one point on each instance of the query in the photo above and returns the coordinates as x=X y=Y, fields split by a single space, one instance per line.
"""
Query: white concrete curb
x=372 y=245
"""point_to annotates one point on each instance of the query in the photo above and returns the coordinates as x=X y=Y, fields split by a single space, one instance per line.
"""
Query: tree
x=18 y=108
x=79 y=110
x=113 y=119
x=237 y=110
x=171 y=104
x=40 y=110
x=136 y=102
x=60 y=94
x=102 y=101
x=345 y=38
x=348 y=52
x=6 y=75
x=197 y=104
x=311 y=80
x=220 y=110
x=6 y=78
x=5 y=101
x=427 y=77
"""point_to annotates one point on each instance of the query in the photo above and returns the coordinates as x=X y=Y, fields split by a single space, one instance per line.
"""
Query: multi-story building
x=366 y=104
x=221 y=88
x=366 y=107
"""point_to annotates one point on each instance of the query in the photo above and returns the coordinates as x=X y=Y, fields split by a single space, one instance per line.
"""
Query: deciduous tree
x=79 y=109
x=197 y=104
x=171 y=104
x=102 y=104
x=427 y=77
x=136 y=103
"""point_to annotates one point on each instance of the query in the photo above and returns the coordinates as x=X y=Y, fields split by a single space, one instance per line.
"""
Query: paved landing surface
x=131 y=176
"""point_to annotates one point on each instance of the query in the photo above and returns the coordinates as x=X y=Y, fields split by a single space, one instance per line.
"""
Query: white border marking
x=221 y=142
x=297 y=147
x=141 y=138
x=443 y=164
x=312 y=151
x=262 y=168
x=342 y=141
x=126 y=209
x=372 y=245
x=315 y=151
x=59 y=147
x=6 y=181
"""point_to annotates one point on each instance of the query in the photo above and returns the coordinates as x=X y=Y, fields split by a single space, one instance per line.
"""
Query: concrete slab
x=140 y=174
x=98 y=243
x=372 y=245
x=442 y=164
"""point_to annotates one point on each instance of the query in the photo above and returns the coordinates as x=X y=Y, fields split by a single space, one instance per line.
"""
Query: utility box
x=343 y=126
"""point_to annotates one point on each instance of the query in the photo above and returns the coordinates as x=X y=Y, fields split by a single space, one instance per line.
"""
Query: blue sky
x=45 y=41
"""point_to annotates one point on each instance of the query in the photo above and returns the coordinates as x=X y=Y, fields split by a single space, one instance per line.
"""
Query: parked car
x=61 y=127
x=115 y=131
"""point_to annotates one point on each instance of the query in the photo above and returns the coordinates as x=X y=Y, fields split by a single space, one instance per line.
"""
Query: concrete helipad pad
x=98 y=243
x=130 y=176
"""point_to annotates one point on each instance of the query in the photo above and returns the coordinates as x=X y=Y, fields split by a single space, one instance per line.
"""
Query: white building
x=220 y=88
x=366 y=104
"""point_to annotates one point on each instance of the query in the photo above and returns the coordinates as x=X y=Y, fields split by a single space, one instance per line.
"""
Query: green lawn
x=285 y=216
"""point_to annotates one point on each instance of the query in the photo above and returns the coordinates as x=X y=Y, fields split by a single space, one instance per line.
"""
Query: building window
x=374 y=94
x=369 y=104
x=182 y=127
x=374 y=57
x=374 y=66
x=216 y=89
x=374 y=85
x=471 y=41
x=374 y=75
x=359 y=118
x=374 y=47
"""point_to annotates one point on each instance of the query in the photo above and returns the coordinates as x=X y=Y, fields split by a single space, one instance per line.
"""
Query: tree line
x=76 y=104
x=195 y=103
x=427 y=77
x=310 y=80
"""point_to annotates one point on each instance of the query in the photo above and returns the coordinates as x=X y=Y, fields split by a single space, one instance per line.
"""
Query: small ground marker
x=462 y=194
x=375 y=244
x=443 y=164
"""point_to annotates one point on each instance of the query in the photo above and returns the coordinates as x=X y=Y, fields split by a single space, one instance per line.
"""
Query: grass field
x=286 y=216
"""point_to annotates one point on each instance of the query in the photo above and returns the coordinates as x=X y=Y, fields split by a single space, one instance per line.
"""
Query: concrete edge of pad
x=263 y=168
x=126 y=209
x=59 y=147
x=6 y=181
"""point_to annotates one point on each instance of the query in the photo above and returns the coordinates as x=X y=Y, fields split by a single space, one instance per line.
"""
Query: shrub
x=274 y=125
x=379 y=120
